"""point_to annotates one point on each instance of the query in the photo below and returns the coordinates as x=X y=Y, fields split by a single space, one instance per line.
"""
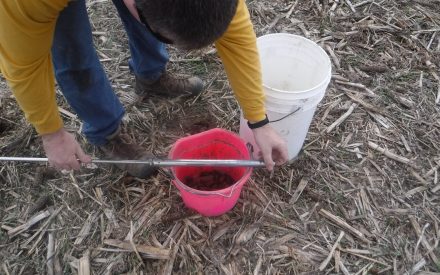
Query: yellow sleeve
x=26 y=31
x=238 y=50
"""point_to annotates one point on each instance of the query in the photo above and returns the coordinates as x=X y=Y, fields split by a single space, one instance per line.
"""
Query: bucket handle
x=299 y=108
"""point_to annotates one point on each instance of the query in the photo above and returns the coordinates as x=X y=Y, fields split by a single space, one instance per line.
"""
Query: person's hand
x=63 y=151
x=273 y=148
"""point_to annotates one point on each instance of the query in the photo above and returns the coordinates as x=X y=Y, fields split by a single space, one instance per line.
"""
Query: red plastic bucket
x=213 y=144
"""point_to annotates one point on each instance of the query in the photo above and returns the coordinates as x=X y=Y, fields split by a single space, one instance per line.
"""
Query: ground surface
x=365 y=191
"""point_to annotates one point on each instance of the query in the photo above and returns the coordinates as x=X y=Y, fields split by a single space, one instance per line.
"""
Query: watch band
x=259 y=123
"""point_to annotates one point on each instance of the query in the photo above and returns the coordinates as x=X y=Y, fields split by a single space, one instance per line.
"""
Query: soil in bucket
x=209 y=181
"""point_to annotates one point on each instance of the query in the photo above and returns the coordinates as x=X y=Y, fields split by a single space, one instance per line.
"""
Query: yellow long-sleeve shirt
x=26 y=35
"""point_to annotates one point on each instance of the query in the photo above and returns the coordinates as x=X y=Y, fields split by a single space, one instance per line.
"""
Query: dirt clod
x=40 y=204
x=4 y=126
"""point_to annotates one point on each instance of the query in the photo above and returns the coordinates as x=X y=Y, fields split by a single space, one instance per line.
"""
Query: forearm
x=26 y=31
x=238 y=51
x=35 y=94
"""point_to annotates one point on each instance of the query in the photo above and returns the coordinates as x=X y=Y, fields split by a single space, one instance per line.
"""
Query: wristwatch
x=258 y=124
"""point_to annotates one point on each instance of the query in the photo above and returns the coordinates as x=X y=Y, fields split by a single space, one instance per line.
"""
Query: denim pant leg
x=148 y=55
x=81 y=76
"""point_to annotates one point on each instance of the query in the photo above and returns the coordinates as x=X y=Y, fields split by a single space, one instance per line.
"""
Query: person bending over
x=42 y=40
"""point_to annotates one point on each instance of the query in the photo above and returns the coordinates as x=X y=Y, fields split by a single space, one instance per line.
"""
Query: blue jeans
x=81 y=77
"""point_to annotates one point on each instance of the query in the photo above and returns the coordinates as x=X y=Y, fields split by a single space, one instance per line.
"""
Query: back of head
x=191 y=24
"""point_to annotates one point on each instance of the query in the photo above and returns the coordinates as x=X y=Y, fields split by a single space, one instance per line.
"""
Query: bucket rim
x=246 y=174
x=289 y=35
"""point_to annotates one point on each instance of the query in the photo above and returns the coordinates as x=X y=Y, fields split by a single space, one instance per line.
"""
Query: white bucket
x=296 y=73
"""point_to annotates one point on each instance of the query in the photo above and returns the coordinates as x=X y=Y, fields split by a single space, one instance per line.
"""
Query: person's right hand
x=63 y=151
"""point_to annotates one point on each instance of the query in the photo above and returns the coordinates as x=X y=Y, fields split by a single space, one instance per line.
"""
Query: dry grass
x=363 y=198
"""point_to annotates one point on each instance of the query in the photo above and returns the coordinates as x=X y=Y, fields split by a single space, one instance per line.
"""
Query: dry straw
x=363 y=198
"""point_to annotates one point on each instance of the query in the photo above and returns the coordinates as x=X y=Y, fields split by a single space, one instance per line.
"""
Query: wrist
x=258 y=124
x=52 y=135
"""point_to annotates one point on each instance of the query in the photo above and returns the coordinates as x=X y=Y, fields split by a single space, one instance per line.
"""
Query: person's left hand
x=273 y=147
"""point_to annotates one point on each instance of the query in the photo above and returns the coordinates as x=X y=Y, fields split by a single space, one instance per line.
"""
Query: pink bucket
x=213 y=144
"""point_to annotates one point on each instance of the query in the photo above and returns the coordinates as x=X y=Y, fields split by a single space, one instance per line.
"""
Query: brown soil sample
x=209 y=181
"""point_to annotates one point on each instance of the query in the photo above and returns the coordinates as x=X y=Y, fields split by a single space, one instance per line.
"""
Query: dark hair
x=192 y=23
